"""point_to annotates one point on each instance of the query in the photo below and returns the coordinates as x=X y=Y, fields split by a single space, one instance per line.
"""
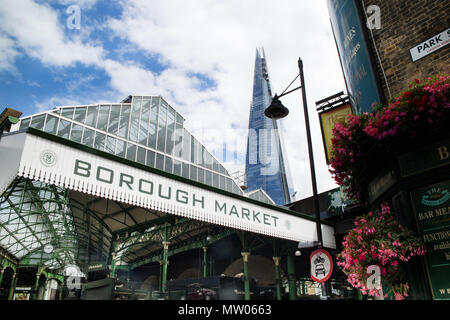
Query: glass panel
x=114 y=119
x=91 y=118
x=178 y=143
x=76 y=132
x=193 y=172
x=201 y=159
x=145 y=103
x=25 y=123
x=80 y=114
x=38 y=121
x=64 y=128
x=170 y=131
x=124 y=121
x=215 y=164
x=208 y=179
x=216 y=180
x=186 y=145
x=179 y=118
x=168 y=167
x=110 y=144
x=99 y=141
x=185 y=170
x=229 y=184
x=159 y=161
x=177 y=167
x=201 y=175
x=143 y=128
x=120 y=148
x=150 y=158
x=153 y=123
x=102 y=122
x=208 y=159
x=50 y=124
x=67 y=112
x=194 y=146
x=88 y=137
x=131 y=151
x=222 y=183
x=141 y=155
x=162 y=121
x=134 y=122
x=235 y=188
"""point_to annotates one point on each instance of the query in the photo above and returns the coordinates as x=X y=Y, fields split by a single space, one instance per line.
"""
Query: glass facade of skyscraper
x=265 y=166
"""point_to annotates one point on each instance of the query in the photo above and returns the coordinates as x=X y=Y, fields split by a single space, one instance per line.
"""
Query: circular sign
x=48 y=158
x=321 y=265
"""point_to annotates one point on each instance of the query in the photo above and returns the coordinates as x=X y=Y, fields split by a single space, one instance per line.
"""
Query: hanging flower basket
x=378 y=240
x=421 y=110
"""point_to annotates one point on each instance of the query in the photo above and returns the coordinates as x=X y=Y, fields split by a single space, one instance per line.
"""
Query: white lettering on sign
x=435 y=43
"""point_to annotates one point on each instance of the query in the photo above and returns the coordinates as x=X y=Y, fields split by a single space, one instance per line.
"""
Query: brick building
x=405 y=25
x=383 y=46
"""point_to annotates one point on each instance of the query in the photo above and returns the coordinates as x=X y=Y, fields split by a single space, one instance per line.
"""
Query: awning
x=39 y=156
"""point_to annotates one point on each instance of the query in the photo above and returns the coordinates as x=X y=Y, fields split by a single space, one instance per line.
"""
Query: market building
x=102 y=197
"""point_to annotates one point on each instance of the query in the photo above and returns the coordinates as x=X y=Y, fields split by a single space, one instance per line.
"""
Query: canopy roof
x=67 y=199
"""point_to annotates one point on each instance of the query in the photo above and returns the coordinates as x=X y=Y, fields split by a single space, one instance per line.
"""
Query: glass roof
x=146 y=130
x=36 y=225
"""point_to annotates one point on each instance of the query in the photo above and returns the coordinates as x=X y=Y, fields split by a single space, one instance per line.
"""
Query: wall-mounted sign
x=432 y=156
x=328 y=119
x=431 y=206
x=359 y=74
x=431 y=45
x=321 y=265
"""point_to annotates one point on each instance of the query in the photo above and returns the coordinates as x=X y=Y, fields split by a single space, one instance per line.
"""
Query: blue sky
x=197 y=54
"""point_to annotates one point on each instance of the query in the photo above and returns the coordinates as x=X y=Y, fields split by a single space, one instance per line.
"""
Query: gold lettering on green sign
x=443 y=153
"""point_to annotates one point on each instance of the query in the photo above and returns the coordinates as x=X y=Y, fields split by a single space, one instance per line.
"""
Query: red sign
x=321 y=265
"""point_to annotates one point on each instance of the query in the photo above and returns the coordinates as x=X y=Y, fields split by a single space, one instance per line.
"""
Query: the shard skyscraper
x=265 y=166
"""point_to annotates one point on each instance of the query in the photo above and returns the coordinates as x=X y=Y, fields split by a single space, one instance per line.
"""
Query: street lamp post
x=276 y=111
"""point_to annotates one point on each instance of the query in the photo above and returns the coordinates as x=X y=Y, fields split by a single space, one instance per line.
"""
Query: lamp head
x=276 y=110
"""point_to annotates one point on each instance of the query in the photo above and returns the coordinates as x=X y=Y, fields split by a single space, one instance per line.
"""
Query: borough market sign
x=39 y=156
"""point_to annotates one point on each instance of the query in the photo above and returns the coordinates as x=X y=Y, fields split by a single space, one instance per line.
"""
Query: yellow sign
x=327 y=122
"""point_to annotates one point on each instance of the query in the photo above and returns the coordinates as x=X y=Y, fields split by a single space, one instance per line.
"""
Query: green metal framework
x=46 y=226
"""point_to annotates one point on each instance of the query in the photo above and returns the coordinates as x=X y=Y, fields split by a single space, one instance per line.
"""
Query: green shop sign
x=424 y=159
x=432 y=211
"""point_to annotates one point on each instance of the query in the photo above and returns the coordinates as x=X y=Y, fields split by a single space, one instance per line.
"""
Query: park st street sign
x=39 y=156
x=430 y=45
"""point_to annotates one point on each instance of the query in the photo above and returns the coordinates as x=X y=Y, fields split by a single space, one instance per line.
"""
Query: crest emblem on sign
x=48 y=158
x=435 y=197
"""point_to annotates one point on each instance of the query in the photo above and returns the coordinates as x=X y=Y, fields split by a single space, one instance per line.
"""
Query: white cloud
x=218 y=39
x=212 y=38
x=35 y=30
x=8 y=54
